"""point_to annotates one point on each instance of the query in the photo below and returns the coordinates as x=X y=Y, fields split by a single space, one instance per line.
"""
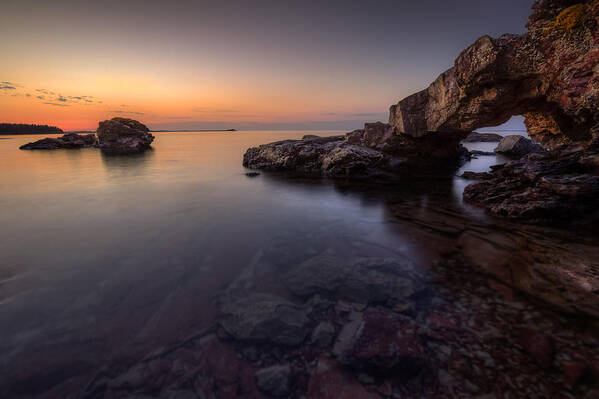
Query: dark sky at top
x=347 y=57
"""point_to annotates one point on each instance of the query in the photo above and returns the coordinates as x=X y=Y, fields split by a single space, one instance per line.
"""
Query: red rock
x=538 y=345
x=573 y=372
x=329 y=380
x=386 y=341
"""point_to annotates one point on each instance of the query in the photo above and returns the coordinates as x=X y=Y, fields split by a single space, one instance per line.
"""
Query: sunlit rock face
x=548 y=74
x=121 y=136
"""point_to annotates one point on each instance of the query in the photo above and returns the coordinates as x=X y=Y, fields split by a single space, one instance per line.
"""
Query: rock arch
x=549 y=74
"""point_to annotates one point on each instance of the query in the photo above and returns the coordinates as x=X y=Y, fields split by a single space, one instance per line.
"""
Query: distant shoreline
x=93 y=131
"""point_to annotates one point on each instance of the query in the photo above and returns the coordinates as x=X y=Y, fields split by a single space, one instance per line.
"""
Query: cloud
x=214 y=110
x=6 y=86
x=56 y=105
x=62 y=99
x=27 y=95
x=40 y=97
x=120 y=111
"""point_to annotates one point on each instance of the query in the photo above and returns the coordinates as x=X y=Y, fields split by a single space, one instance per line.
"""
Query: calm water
x=102 y=257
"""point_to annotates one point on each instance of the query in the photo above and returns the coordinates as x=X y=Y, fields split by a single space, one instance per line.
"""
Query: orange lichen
x=571 y=17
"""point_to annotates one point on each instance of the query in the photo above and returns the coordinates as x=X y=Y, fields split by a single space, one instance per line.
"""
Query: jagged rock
x=517 y=146
x=264 y=318
x=362 y=281
x=548 y=75
x=330 y=380
x=553 y=187
x=121 y=136
x=376 y=150
x=274 y=380
x=69 y=140
x=476 y=137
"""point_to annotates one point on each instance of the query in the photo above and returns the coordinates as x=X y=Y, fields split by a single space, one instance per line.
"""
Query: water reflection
x=105 y=258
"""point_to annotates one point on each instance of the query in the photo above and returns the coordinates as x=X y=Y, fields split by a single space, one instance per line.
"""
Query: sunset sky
x=231 y=64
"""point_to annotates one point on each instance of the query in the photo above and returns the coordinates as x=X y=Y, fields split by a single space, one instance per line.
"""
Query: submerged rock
x=382 y=341
x=265 y=318
x=274 y=380
x=517 y=146
x=69 y=140
x=362 y=281
x=122 y=136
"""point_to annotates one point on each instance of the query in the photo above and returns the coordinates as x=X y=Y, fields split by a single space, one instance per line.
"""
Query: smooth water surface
x=102 y=257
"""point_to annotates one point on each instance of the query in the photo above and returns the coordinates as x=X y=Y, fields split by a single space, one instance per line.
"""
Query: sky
x=260 y=64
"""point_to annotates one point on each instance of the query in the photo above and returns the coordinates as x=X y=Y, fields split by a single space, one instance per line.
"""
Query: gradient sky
x=235 y=64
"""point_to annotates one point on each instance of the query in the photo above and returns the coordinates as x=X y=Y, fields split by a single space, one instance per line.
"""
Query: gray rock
x=274 y=380
x=323 y=334
x=264 y=318
x=123 y=136
x=517 y=146
x=69 y=140
x=362 y=280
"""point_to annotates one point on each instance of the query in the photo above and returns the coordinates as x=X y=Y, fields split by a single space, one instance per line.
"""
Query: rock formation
x=548 y=75
x=376 y=150
x=69 y=140
x=121 y=136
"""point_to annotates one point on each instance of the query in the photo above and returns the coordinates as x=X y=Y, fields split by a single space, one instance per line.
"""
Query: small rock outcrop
x=122 y=136
x=476 y=137
x=517 y=146
x=69 y=140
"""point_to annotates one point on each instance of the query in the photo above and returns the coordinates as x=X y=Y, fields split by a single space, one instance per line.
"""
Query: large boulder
x=517 y=146
x=69 y=140
x=123 y=136
x=476 y=137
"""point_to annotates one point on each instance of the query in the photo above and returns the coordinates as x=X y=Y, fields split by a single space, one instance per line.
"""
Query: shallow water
x=111 y=257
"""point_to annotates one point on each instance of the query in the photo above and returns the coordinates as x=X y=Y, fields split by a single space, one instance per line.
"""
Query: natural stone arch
x=494 y=79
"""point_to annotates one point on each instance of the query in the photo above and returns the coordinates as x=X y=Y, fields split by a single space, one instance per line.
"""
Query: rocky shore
x=117 y=136
x=548 y=74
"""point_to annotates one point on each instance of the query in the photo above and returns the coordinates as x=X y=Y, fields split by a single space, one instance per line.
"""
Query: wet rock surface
x=122 y=136
x=557 y=187
x=69 y=140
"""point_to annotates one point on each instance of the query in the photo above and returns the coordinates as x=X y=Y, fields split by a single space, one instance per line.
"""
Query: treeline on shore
x=22 y=128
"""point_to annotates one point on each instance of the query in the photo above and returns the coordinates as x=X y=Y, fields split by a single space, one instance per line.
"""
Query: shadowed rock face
x=376 y=150
x=123 y=136
x=548 y=74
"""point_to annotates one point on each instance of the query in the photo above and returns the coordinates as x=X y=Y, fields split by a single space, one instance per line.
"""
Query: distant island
x=21 y=128
x=194 y=130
